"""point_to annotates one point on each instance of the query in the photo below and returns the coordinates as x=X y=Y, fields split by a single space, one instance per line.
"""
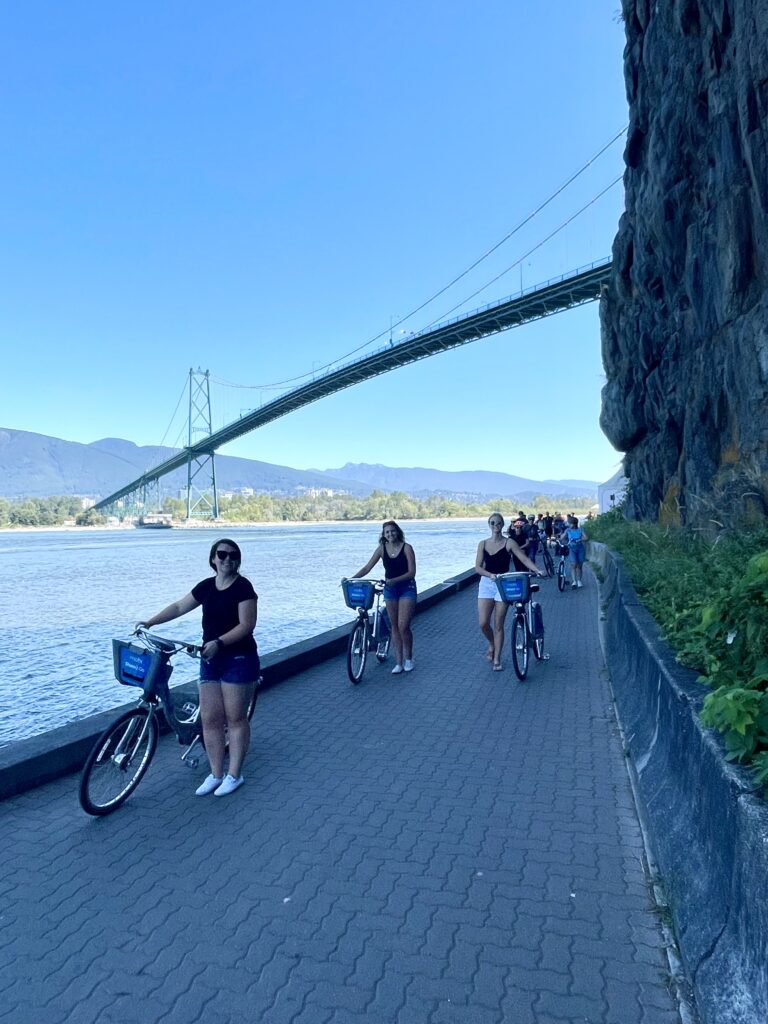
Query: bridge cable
x=518 y=227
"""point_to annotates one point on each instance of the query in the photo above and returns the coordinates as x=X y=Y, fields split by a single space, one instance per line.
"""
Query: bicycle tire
x=549 y=565
x=357 y=651
x=561 y=575
x=520 y=646
x=104 y=784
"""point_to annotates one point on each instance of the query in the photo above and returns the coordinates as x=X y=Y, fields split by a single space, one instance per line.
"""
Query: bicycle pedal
x=191 y=762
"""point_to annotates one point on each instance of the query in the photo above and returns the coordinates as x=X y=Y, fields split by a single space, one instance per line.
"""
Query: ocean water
x=65 y=595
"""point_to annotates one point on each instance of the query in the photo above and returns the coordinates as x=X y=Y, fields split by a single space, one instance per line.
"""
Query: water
x=66 y=594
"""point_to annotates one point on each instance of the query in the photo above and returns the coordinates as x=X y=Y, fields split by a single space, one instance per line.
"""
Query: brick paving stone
x=451 y=846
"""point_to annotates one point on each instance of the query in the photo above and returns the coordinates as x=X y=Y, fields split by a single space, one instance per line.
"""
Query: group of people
x=230 y=667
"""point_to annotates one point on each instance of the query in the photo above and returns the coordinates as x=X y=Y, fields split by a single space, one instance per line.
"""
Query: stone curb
x=708 y=825
x=29 y=763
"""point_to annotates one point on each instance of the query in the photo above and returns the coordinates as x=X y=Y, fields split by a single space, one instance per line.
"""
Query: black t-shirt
x=220 y=610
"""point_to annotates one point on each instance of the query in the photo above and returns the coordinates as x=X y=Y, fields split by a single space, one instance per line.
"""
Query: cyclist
x=518 y=534
x=399 y=592
x=229 y=666
x=576 y=540
x=492 y=559
x=532 y=532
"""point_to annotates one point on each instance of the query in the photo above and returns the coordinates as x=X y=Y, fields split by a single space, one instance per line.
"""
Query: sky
x=258 y=190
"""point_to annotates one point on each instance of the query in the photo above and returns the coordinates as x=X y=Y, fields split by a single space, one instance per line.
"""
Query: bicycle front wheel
x=357 y=651
x=520 y=646
x=118 y=761
x=549 y=565
x=561 y=575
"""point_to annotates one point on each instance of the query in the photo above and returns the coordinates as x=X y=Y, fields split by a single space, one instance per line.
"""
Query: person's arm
x=410 y=559
x=173 y=611
x=519 y=553
x=246 y=614
x=368 y=565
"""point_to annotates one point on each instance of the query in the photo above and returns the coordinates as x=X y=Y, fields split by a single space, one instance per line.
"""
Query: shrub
x=710 y=599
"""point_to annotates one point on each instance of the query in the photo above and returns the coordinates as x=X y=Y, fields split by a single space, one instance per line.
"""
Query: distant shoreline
x=220 y=526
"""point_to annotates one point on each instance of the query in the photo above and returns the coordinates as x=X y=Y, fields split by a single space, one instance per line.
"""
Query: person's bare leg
x=397 y=640
x=499 y=615
x=236 y=697
x=214 y=720
x=484 y=612
x=405 y=614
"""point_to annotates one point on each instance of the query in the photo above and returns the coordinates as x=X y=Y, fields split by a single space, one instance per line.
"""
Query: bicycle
x=123 y=753
x=370 y=632
x=561 y=550
x=549 y=565
x=528 y=622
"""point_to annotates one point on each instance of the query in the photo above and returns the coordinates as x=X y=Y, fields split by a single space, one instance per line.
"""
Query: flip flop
x=497 y=667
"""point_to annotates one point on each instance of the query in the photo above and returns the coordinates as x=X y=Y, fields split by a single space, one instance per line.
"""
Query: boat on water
x=155 y=521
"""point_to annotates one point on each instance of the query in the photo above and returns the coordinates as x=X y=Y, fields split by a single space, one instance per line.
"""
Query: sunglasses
x=224 y=555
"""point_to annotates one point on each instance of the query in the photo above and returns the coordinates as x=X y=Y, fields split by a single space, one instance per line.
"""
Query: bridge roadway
x=446 y=847
x=583 y=285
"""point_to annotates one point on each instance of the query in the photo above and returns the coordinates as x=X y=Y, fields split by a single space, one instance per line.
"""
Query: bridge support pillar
x=202 y=496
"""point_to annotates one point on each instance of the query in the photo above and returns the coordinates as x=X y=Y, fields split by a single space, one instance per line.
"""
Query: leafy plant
x=710 y=598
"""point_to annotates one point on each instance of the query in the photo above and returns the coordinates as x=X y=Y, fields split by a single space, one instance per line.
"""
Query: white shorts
x=488 y=590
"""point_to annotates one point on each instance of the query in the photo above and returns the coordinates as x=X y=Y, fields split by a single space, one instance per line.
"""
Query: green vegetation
x=378 y=506
x=43 y=512
x=711 y=600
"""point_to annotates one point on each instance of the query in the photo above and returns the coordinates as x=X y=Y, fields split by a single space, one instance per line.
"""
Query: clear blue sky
x=257 y=189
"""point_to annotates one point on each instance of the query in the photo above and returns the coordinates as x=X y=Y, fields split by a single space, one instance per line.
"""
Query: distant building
x=612 y=491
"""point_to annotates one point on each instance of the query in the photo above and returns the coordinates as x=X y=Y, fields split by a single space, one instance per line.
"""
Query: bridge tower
x=202 y=496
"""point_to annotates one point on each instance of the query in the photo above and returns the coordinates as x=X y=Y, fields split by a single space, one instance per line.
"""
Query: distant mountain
x=37 y=466
x=467 y=483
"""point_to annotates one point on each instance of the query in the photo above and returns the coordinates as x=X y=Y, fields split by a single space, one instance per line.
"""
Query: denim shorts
x=231 y=668
x=488 y=591
x=577 y=553
x=405 y=591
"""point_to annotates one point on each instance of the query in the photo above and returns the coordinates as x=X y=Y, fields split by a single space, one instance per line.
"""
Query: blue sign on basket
x=134 y=666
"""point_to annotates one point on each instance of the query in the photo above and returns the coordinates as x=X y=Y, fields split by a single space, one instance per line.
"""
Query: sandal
x=497 y=666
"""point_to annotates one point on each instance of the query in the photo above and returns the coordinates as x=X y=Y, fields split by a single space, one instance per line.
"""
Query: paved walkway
x=449 y=847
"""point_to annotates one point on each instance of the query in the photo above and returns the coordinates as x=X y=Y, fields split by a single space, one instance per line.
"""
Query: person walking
x=229 y=666
x=576 y=539
x=399 y=562
x=492 y=559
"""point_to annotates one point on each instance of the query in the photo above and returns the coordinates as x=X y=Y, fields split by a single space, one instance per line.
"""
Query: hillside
x=38 y=466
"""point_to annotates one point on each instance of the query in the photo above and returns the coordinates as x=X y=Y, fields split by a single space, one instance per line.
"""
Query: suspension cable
x=441 y=291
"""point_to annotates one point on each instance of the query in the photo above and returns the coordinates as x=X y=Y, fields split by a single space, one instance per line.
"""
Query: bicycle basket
x=136 y=666
x=514 y=586
x=358 y=593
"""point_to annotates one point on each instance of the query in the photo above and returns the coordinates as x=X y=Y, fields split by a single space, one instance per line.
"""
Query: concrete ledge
x=708 y=825
x=29 y=763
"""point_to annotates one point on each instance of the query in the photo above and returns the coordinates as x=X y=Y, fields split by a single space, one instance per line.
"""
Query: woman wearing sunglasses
x=229 y=668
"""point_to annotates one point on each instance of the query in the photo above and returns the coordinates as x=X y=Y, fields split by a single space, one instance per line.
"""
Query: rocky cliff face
x=685 y=318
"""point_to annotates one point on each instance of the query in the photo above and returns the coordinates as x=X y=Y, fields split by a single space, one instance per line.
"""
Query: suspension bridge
x=561 y=293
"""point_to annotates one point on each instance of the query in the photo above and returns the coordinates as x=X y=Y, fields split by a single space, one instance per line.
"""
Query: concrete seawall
x=29 y=763
x=708 y=824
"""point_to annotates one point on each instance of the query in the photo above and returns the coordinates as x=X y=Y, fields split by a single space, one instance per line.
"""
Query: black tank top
x=496 y=563
x=394 y=567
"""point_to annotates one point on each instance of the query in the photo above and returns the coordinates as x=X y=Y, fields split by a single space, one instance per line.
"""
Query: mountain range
x=37 y=466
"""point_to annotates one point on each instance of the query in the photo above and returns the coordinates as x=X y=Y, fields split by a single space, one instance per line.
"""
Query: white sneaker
x=397 y=670
x=229 y=785
x=574 y=585
x=208 y=786
x=579 y=584
x=408 y=665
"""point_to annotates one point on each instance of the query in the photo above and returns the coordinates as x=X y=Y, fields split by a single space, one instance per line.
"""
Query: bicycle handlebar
x=162 y=643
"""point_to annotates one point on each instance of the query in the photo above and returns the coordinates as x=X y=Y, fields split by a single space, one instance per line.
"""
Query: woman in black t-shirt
x=229 y=668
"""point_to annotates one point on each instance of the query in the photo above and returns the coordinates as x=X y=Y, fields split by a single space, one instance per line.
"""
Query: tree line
x=267 y=508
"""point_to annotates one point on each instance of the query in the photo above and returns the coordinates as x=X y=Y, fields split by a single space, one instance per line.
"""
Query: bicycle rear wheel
x=520 y=646
x=549 y=565
x=561 y=575
x=357 y=650
x=118 y=761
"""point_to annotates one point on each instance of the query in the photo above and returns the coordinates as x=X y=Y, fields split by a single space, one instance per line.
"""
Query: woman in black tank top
x=493 y=558
x=400 y=591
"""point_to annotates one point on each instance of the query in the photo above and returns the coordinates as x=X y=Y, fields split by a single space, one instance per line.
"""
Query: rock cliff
x=685 y=317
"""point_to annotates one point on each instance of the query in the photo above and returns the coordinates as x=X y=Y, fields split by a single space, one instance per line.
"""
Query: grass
x=710 y=598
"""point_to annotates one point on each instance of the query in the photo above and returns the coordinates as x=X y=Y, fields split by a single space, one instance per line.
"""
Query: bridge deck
x=449 y=846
